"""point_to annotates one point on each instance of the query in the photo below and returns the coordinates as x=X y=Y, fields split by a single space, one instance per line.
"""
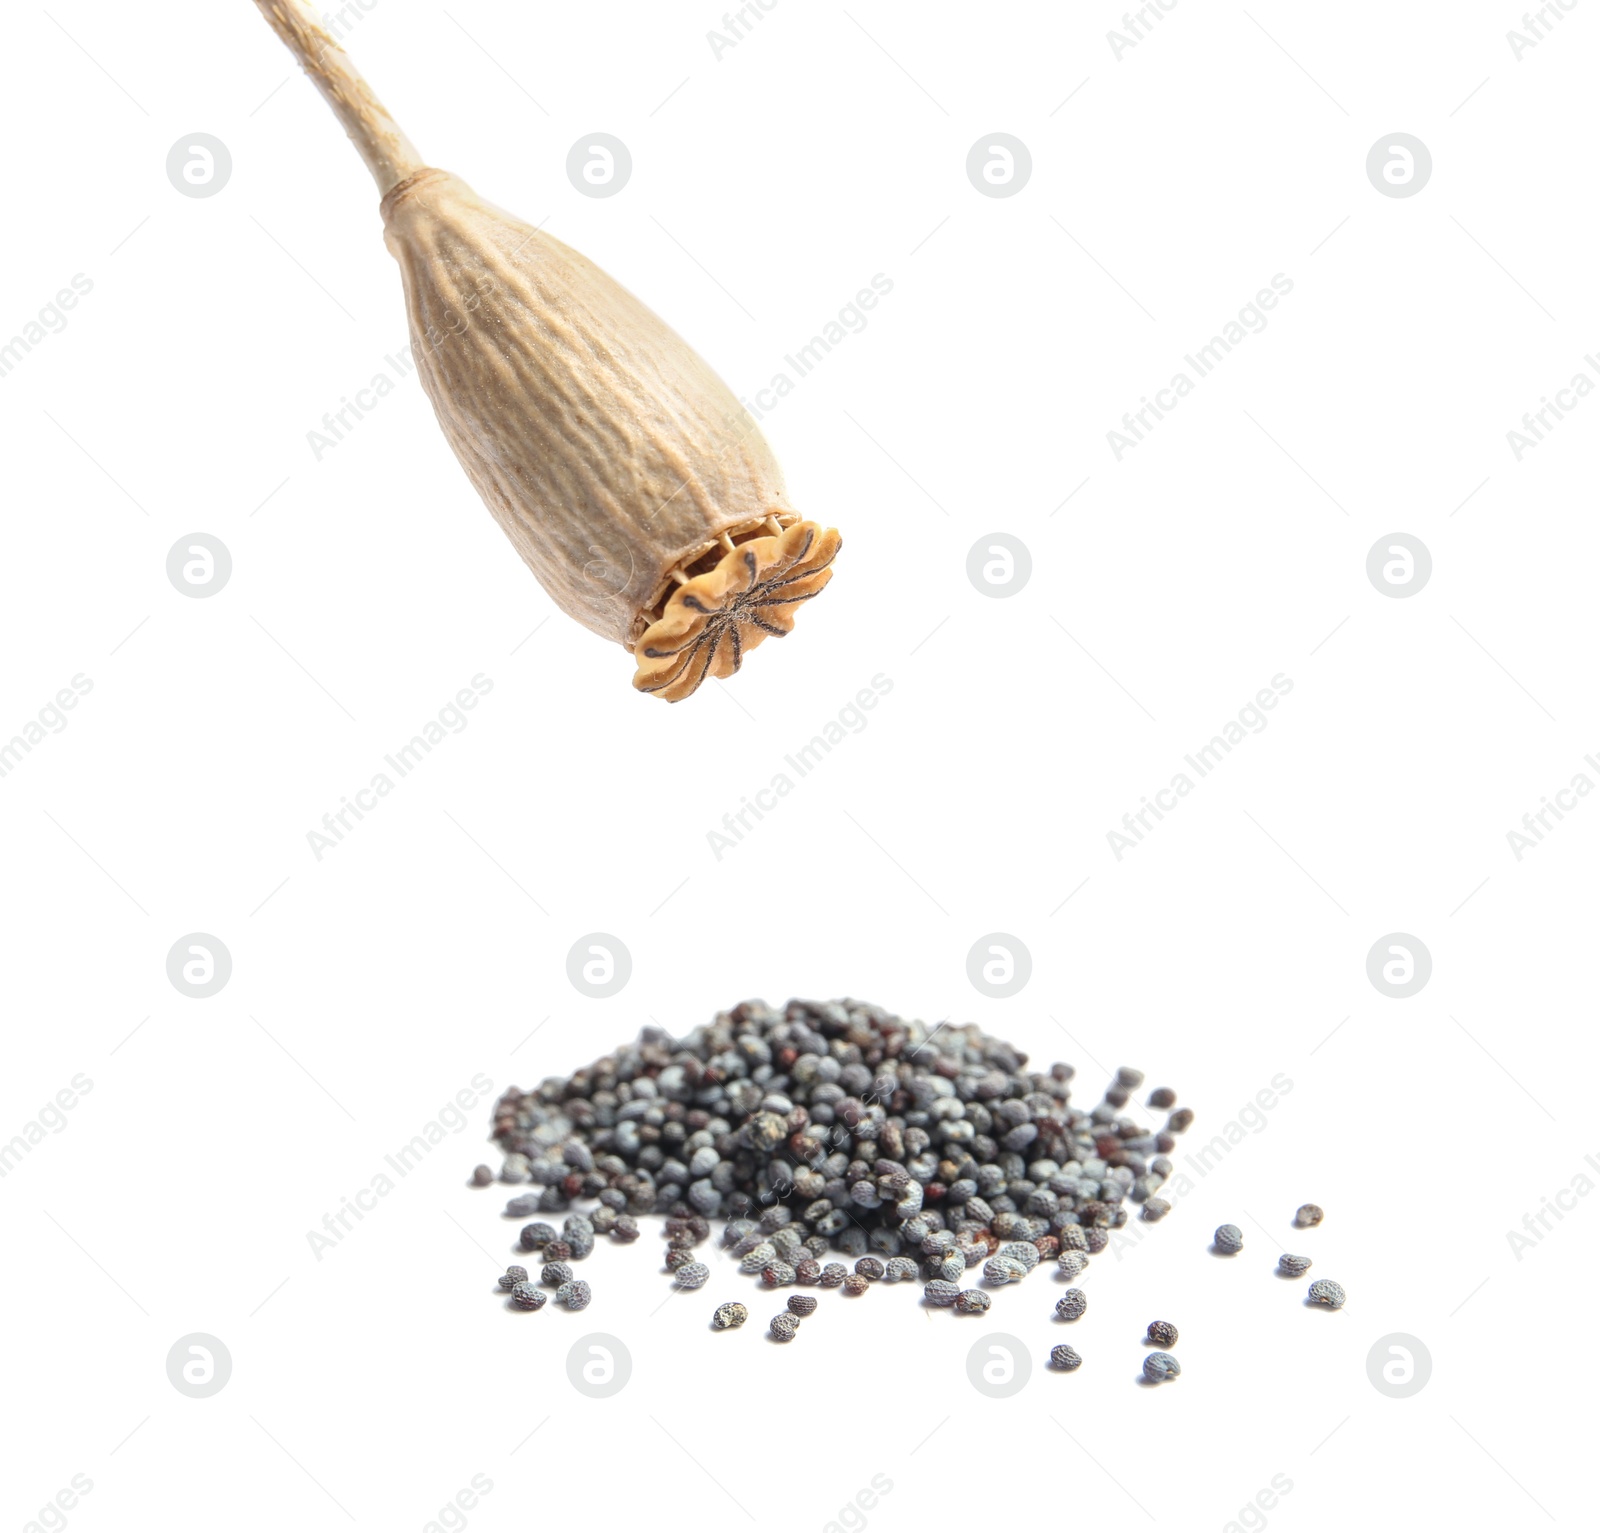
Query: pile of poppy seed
x=917 y=1153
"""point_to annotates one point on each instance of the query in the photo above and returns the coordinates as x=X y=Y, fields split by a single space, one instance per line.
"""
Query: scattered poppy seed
x=555 y=1250
x=941 y=1293
x=513 y=1276
x=1229 y=1238
x=693 y=1275
x=526 y=1296
x=554 y=1274
x=1326 y=1291
x=1163 y=1097
x=783 y=1326
x=1155 y=1209
x=1161 y=1365
x=807 y=1270
x=1293 y=1266
x=535 y=1237
x=855 y=1285
x=899 y=1269
x=777 y=1274
x=1001 y=1269
x=1180 y=1120
x=626 y=1229
x=832 y=1275
x=729 y=1316
x=1097 y=1240
x=972 y=1301
x=481 y=1176
x=1072 y=1304
x=1162 y=1332
x=1307 y=1214
x=575 y=1294
x=1064 y=1358
x=802 y=1304
x=870 y=1268
x=1071 y=1263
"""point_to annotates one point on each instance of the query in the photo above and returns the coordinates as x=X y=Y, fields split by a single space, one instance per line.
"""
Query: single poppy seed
x=1293 y=1266
x=1307 y=1214
x=728 y=1316
x=1161 y=1365
x=1072 y=1304
x=526 y=1296
x=784 y=1326
x=1162 y=1332
x=1229 y=1238
x=1064 y=1358
x=1326 y=1291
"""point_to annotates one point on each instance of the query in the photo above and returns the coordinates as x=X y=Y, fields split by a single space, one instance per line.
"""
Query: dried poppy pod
x=624 y=471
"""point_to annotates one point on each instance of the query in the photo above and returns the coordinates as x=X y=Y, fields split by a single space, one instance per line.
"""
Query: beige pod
x=624 y=471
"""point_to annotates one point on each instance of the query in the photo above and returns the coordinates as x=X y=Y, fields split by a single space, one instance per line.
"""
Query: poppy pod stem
x=624 y=471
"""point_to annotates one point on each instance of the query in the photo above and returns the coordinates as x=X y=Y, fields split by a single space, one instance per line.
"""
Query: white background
x=430 y=946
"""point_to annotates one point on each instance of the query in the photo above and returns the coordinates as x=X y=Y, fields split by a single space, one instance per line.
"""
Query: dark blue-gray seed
x=1155 y=1209
x=481 y=1176
x=1229 y=1238
x=832 y=1275
x=554 y=1274
x=1001 y=1269
x=1023 y=1252
x=626 y=1229
x=728 y=1316
x=807 y=1270
x=1071 y=1263
x=575 y=1294
x=1073 y=1238
x=1161 y=1365
x=1326 y=1291
x=941 y=1293
x=802 y=1304
x=535 y=1237
x=1098 y=1239
x=526 y=1296
x=1072 y=1304
x=783 y=1326
x=757 y=1257
x=1064 y=1358
x=972 y=1301
x=899 y=1269
x=513 y=1276
x=692 y=1275
x=1307 y=1214
x=870 y=1268
x=950 y=1267
x=1293 y=1266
